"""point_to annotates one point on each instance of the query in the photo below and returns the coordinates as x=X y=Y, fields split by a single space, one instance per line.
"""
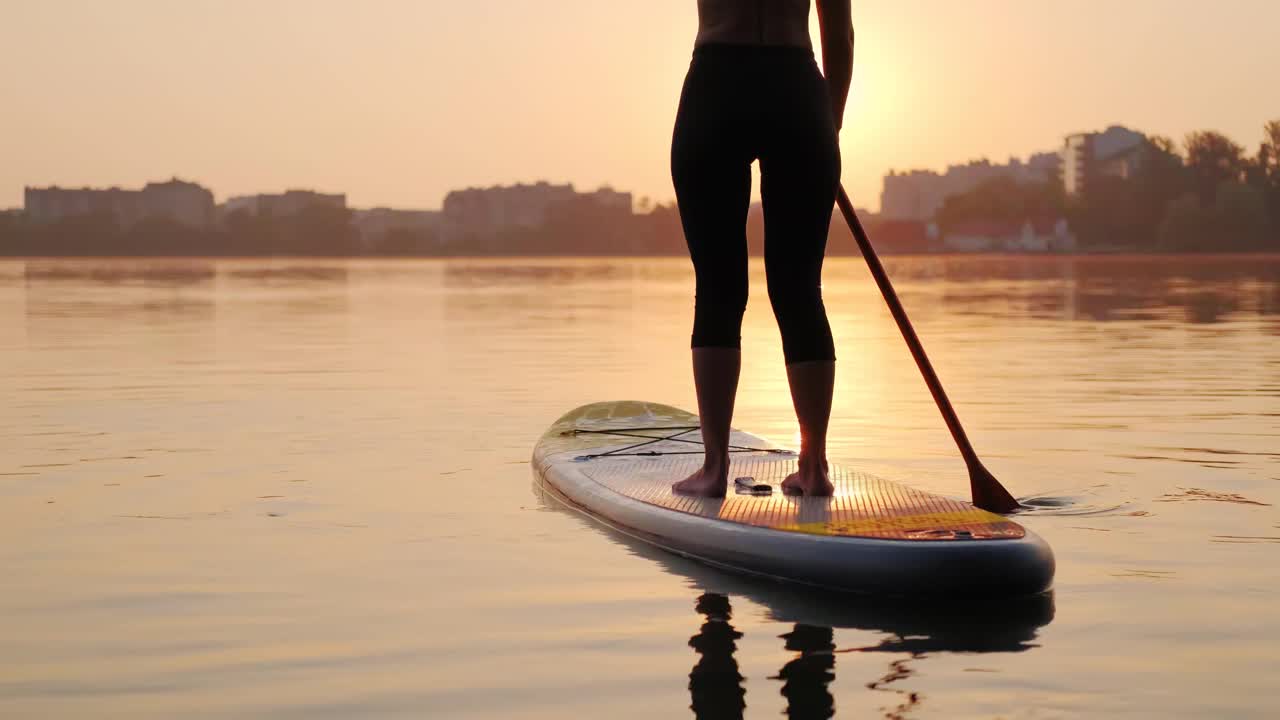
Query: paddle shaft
x=987 y=491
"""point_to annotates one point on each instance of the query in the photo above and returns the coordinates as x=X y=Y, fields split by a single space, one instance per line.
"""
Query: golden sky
x=395 y=102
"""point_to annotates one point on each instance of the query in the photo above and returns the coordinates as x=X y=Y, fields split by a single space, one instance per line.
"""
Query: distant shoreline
x=1116 y=255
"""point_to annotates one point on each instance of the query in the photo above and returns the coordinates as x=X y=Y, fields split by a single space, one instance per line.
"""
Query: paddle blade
x=988 y=493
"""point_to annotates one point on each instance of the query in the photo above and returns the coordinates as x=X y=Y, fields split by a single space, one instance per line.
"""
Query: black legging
x=742 y=103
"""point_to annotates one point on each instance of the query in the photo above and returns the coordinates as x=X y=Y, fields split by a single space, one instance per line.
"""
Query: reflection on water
x=174 y=288
x=143 y=273
x=1111 y=288
x=1200 y=494
x=290 y=275
x=298 y=488
x=806 y=677
x=464 y=274
x=918 y=630
x=715 y=685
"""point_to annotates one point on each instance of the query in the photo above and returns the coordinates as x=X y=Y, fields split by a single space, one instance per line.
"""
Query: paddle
x=987 y=492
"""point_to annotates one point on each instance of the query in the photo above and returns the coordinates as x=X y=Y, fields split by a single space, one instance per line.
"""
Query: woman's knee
x=802 y=321
x=717 y=315
x=808 y=343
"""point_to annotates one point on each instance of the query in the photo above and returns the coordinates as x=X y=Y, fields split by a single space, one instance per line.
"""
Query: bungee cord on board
x=650 y=440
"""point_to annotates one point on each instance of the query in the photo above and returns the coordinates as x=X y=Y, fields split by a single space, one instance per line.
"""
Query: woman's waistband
x=742 y=51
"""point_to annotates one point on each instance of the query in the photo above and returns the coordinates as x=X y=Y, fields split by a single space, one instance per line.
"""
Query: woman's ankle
x=813 y=460
x=717 y=463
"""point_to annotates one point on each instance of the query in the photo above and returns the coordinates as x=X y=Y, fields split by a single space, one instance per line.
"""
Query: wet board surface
x=862 y=506
x=617 y=460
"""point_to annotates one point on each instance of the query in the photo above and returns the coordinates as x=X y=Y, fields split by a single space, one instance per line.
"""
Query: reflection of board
x=610 y=460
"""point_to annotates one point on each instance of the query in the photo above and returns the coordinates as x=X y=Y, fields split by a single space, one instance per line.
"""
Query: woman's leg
x=812 y=384
x=715 y=376
x=711 y=171
x=800 y=170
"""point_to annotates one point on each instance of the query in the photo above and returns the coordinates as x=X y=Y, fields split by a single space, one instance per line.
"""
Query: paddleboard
x=616 y=461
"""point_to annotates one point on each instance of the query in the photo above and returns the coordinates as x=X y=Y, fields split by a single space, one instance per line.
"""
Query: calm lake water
x=298 y=488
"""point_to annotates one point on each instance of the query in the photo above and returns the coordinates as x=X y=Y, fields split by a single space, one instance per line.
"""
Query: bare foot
x=708 y=481
x=810 y=479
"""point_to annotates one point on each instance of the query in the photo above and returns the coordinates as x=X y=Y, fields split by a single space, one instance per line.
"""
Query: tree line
x=1209 y=195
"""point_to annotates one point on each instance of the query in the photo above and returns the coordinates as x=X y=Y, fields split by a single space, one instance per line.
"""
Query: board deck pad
x=864 y=506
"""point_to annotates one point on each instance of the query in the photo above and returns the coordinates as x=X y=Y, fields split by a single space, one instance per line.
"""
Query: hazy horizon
x=397 y=102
